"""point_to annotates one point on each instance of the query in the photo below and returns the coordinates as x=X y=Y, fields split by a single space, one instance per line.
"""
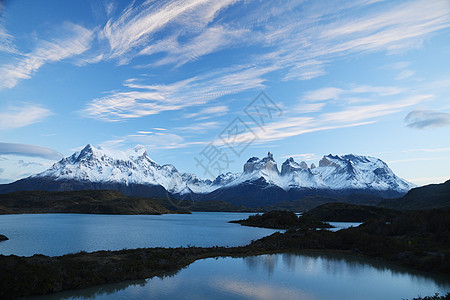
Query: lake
x=276 y=276
x=58 y=234
x=284 y=276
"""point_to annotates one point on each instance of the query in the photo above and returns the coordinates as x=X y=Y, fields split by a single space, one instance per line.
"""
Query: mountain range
x=261 y=182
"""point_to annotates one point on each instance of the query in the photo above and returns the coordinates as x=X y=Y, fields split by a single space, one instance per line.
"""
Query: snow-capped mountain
x=334 y=172
x=135 y=173
x=133 y=167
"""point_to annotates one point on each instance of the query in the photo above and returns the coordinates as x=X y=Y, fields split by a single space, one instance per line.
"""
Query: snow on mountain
x=359 y=172
x=99 y=165
x=136 y=167
x=334 y=172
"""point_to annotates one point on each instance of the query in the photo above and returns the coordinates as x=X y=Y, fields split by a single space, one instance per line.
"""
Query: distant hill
x=312 y=201
x=86 y=201
x=344 y=212
x=425 y=197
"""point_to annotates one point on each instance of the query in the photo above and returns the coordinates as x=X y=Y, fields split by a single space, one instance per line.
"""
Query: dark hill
x=87 y=202
x=425 y=197
x=344 y=212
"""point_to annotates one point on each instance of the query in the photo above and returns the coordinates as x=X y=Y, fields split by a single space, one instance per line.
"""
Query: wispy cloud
x=153 y=141
x=350 y=116
x=6 y=39
x=29 y=150
x=136 y=26
x=333 y=93
x=210 y=40
x=73 y=40
x=427 y=150
x=24 y=115
x=208 y=112
x=200 y=127
x=422 y=119
x=305 y=46
x=143 y=100
x=287 y=42
x=402 y=68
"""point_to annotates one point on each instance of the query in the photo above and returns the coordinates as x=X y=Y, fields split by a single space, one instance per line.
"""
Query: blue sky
x=365 y=77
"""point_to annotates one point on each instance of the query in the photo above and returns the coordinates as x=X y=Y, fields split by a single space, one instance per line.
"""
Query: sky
x=205 y=85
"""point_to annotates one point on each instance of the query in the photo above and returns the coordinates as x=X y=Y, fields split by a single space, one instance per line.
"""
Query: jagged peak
x=255 y=164
x=252 y=159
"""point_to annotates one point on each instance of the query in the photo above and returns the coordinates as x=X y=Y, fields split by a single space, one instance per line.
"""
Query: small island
x=3 y=238
x=282 y=220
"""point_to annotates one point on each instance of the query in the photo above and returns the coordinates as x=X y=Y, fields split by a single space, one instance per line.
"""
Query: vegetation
x=281 y=220
x=87 y=201
x=3 y=238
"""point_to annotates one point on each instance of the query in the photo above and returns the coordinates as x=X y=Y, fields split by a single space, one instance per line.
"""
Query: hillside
x=86 y=202
x=344 y=212
x=425 y=197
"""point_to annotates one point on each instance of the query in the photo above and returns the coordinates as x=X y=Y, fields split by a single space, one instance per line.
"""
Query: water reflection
x=285 y=276
x=266 y=262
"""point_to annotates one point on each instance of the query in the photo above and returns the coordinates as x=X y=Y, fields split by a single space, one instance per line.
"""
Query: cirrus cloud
x=24 y=115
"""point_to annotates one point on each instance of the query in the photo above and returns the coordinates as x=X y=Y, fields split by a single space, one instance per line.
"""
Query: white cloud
x=153 y=141
x=209 y=112
x=29 y=150
x=326 y=93
x=351 y=116
x=200 y=127
x=6 y=39
x=144 y=100
x=426 y=150
x=136 y=25
x=74 y=40
x=210 y=40
x=392 y=27
x=24 y=115
x=421 y=119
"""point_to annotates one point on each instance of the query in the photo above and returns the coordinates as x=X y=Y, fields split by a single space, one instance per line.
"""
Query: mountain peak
x=266 y=164
x=140 y=150
x=87 y=151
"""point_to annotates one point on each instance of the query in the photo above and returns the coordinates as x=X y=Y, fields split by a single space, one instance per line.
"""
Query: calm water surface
x=57 y=234
x=278 y=276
